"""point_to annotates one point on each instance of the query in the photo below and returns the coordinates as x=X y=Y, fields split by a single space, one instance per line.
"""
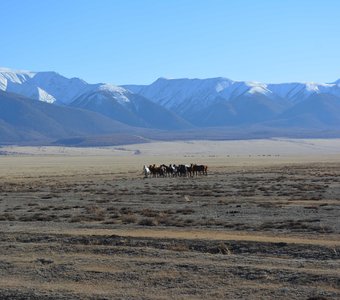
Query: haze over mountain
x=76 y=108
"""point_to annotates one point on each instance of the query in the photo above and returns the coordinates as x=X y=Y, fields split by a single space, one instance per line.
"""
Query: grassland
x=83 y=223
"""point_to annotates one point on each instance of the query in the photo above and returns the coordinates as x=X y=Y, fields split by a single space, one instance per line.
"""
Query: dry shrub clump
x=297 y=225
x=92 y=213
x=148 y=222
x=185 y=211
x=44 y=208
x=126 y=210
x=77 y=219
x=180 y=247
x=7 y=217
x=129 y=219
x=102 y=200
x=112 y=209
x=166 y=220
x=95 y=213
x=223 y=249
x=41 y=217
x=147 y=212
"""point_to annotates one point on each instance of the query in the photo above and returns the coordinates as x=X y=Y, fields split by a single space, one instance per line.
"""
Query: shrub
x=148 y=222
x=7 y=217
x=185 y=211
x=41 y=217
x=129 y=219
x=147 y=212
x=179 y=247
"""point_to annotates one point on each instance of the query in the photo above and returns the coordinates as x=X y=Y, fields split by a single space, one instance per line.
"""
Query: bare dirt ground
x=85 y=224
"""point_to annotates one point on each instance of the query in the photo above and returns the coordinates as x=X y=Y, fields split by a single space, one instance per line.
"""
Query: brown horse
x=199 y=169
x=157 y=171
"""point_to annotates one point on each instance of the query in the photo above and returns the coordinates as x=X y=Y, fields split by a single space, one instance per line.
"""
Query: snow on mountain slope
x=9 y=79
x=115 y=92
x=120 y=104
x=178 y=95
x=297 y=92
x=64 y=90
x=15 y=76
x=44 y=86
x=174 y=93
x=241 y=88
x=181 y=95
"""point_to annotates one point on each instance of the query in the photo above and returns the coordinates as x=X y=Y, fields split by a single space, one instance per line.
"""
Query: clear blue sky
x=137 y=41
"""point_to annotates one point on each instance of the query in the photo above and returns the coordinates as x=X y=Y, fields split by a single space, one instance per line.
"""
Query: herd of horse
x=173 y=170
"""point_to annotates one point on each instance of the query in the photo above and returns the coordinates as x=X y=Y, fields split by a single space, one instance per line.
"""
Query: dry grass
x=38 y=217
x=91 y=227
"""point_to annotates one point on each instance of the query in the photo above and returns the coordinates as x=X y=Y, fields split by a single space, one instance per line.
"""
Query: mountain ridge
x=166 y=104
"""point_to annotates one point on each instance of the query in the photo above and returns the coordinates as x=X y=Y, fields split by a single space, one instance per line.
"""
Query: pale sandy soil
x=83 y=223
x=274 y=146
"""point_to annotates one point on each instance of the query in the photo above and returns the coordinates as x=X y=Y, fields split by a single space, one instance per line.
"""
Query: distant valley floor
x=193 y=148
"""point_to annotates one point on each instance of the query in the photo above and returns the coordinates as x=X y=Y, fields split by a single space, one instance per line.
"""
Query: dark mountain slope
x=318 y=111
x=25 y=119
x=123 y=106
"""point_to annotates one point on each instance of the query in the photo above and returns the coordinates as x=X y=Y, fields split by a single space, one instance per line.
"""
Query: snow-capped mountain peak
x=257 y=87
x=10 y=77
x=111 y=91
x=44 y=86
x=9 y=70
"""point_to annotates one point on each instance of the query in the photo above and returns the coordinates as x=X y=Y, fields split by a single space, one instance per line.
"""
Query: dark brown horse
x=199 y=169
x=157 y=171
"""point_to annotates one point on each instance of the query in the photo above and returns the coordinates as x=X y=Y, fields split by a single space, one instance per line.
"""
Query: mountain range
x=223 y=102
x=46 y=106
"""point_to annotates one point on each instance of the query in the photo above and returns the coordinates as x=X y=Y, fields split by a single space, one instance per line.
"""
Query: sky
x=138 y=41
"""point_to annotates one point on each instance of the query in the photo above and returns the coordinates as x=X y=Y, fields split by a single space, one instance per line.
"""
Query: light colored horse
x=146 y=171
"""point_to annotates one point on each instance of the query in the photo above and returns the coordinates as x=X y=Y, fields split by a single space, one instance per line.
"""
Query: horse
x=168 y=170
x=173 y=168
x=201 y=169
x=182 y=170
x=190 y=170
x=146 y=171
x=157 y=170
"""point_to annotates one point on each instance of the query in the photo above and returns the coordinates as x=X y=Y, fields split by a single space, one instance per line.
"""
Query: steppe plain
x=83 y=223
